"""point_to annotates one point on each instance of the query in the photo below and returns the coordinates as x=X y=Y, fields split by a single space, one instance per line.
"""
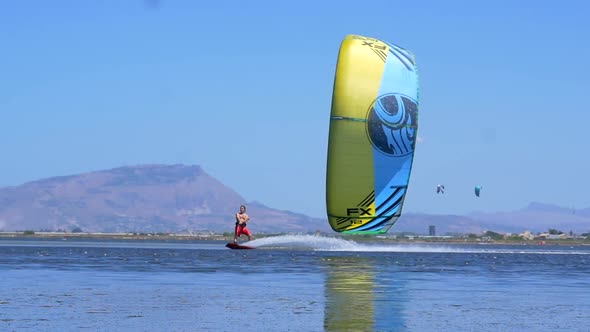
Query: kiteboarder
x=241 y=224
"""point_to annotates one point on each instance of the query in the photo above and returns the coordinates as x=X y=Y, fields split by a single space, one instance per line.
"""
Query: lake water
x=291 y=283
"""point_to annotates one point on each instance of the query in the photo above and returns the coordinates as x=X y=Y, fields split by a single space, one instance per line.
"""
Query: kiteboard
x=232 y=245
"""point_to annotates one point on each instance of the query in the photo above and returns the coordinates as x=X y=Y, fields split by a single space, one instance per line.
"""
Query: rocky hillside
x=146 y=198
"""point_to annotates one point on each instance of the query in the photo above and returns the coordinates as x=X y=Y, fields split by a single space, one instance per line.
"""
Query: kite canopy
x=373 y=128
x=440 y=189
x=477 y=190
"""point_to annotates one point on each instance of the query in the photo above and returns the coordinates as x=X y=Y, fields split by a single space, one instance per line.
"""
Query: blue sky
x=243 y=89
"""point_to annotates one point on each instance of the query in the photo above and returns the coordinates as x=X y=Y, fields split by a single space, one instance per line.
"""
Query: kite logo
x=360 y=211
x=376 y=46
x=373 y=45
x=392 y=124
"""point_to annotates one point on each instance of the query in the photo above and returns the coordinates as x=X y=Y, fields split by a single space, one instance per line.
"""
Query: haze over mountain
x=536 y=217
x=145 y=198
x=180 y=198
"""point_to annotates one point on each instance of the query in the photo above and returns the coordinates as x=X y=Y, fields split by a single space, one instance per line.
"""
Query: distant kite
x=440 y=189
x=477 y=190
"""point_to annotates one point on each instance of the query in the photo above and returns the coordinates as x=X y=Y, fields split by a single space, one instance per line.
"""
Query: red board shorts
x=242 y=229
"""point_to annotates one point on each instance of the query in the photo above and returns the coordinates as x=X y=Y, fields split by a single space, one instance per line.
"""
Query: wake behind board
x=237 y=246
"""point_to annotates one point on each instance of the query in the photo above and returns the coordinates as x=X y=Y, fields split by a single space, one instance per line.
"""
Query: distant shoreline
x=221 y=237
x=112 y=236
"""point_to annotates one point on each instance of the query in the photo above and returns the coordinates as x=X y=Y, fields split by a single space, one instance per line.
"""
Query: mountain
x=181 y=198
x=536 y=217
x=145 y=198
x=445 y=224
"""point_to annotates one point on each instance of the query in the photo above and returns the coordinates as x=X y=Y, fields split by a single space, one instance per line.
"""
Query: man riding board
x=241 y=224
